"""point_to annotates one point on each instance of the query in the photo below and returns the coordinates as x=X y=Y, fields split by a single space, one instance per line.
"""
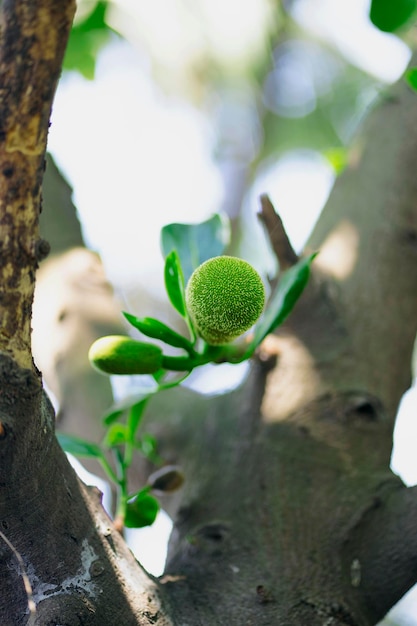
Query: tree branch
x=382 y=546
x=278 y=237
x=367 y=237
x=33 y=36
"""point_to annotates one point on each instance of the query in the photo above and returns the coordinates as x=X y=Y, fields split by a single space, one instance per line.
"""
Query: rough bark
x=79 y=568
x=30 y=59
x=290 y=514
x=56 y=536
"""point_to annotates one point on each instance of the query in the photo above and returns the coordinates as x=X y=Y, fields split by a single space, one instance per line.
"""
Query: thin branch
x=281 y=245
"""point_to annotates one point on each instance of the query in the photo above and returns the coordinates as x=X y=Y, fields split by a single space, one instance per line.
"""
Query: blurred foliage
x=265 y=85
x=411 y=77
x=89 y=34
x=388 y=16
x=59 y=222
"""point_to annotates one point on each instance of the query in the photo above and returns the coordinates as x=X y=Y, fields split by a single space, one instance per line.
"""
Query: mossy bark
x=33 y=37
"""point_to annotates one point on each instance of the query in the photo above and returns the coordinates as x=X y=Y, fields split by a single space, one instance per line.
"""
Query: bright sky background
x=105 y=134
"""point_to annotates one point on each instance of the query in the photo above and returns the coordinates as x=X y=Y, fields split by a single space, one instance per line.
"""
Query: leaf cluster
x=391 y=16
x=184 y=246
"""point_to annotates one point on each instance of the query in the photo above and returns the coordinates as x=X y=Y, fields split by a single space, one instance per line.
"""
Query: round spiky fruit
x=118 y=354
x=224 y=296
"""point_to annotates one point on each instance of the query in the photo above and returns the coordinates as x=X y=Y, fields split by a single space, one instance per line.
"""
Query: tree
x=290 y=514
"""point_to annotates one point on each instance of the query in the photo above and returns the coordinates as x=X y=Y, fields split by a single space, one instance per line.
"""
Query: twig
x=278 y=237
x=26 y=582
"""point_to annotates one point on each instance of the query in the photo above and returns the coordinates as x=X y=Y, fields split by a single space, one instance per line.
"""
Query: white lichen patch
x=81 y=581
x=355 y=573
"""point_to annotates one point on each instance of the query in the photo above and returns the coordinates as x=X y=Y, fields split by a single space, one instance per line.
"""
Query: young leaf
x=290 y=288
x=411 y=77
x=159 y=376
x=196 y=243
x=174 y=282
x=112 y=415
x=157 y=330
x=134 y=417
x=142 y=510
x=118 y=408
x=115 y=436
x=86 y=40
x=79 y=447
x=148 y=446
x=338 y=158
x=388 y=15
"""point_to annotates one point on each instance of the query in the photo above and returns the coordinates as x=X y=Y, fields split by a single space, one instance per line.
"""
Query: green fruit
x=225 y=296
x=118 y=354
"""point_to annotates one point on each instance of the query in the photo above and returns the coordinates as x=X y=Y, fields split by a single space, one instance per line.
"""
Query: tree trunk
x=289 y=514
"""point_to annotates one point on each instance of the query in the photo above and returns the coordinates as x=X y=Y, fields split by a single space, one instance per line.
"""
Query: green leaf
x=118 y=408
x=196 y=243
x=112 y=415
x=337 y=157
x=290 y=288
x=159 y=375
x=148 y=446
x=174 y=282
x=135 y=416
x=388 y=15
x=115 y=436
x=79 y=447
x=157 y=330
x=85 y=41
x=142 y=510
x=411 y=77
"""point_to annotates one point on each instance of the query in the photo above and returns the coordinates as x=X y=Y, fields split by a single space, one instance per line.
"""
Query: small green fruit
x=224 y=296
x=118 y=354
